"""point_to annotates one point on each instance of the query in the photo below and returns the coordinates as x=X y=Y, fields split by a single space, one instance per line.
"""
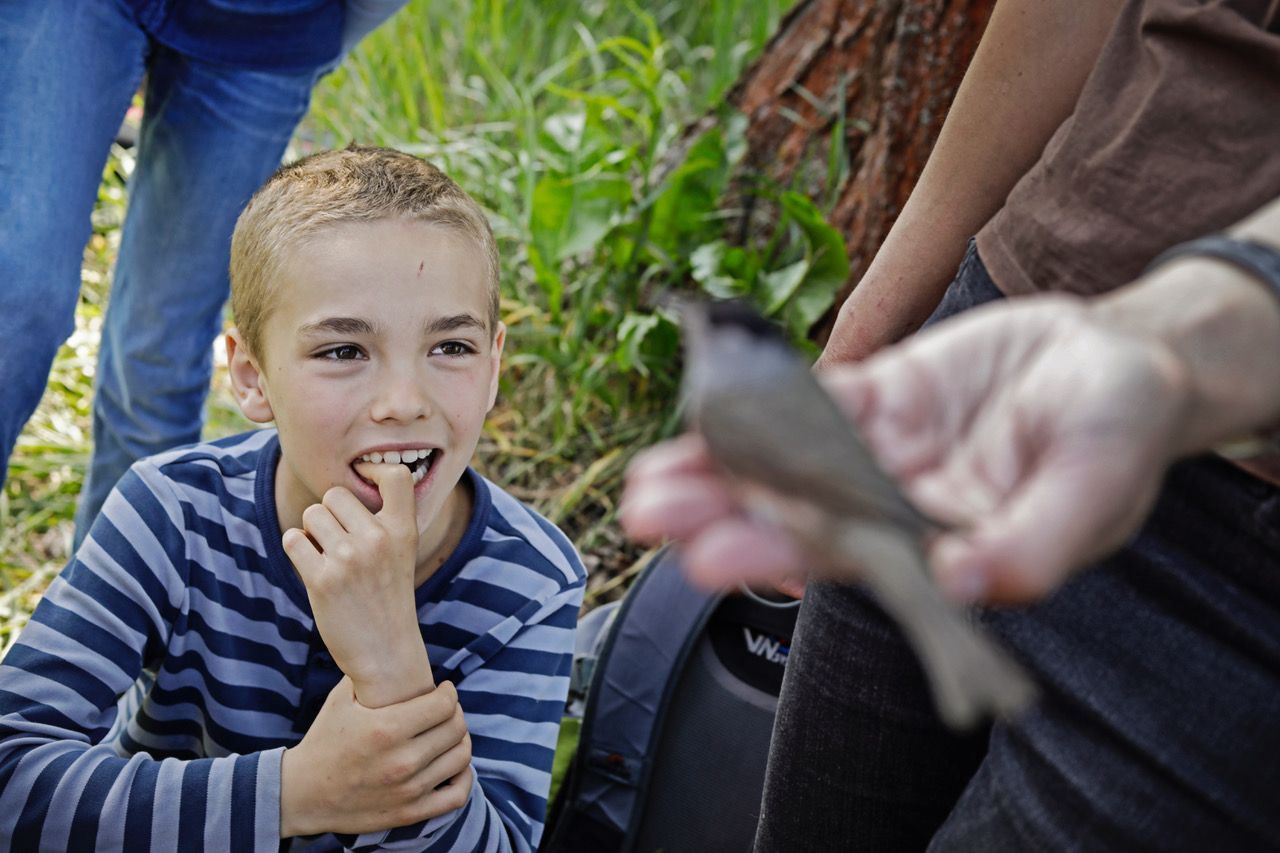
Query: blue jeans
x=210 y=136
x=1159 y=723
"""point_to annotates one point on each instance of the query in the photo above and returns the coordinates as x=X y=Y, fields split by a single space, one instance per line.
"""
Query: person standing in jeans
x=227 y=81
x=1087 y=139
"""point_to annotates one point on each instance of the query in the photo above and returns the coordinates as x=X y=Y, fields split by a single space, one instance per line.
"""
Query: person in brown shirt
x=1087 y=138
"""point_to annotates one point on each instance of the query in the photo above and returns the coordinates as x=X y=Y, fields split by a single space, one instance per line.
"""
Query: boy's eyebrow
x=453 y=322
x=338 y=326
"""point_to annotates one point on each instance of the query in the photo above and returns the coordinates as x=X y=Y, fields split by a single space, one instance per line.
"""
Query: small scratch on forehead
x=421 y=265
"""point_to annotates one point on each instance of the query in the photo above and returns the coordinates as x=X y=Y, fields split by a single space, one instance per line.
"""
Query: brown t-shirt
x=1175 y=135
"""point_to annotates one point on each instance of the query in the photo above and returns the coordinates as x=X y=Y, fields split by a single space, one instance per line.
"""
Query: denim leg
x=210 y=136
x=67 y=73
x=859 y=759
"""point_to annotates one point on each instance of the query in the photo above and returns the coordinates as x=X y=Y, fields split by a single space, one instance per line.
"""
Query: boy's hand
x=364 y=769
x=358 y=569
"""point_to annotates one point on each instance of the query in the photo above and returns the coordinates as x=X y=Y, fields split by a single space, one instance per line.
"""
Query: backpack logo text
x=762 y=645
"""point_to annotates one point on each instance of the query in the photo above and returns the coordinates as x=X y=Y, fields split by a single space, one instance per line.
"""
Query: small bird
x=773 y=429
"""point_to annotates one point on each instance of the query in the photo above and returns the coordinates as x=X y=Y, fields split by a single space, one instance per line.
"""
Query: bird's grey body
x=774 y=430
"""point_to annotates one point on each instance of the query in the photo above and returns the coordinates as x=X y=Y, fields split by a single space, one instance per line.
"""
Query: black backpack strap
x=645 y=651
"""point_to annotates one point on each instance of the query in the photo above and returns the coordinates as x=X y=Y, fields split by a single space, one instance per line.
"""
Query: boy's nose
x=400 y=396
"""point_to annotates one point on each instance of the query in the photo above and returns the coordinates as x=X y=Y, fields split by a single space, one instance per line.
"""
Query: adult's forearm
x=1023 y=82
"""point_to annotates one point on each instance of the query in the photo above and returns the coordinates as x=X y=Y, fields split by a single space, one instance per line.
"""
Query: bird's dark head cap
x=740 y=314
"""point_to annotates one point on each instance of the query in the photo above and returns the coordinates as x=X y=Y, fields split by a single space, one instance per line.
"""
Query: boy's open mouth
x=418 y=461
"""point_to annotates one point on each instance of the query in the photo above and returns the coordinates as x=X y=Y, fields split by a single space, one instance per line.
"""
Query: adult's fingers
x=905 y=418
x=685 y=454
x=852 y=388
x=1070 y=511
x=735 y=549
x=676 y=507
x=791 y=586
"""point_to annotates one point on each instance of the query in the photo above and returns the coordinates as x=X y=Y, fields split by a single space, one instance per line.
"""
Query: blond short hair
x=356 y=184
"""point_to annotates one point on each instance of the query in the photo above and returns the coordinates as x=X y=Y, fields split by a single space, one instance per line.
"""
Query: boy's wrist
x=385 y=658
x=395 y=676
x=295 y=808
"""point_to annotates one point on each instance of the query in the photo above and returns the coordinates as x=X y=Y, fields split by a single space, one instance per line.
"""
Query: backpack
x=677 y=689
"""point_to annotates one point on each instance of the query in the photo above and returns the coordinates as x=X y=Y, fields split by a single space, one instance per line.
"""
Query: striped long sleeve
x=105 y=619
x=148 y=702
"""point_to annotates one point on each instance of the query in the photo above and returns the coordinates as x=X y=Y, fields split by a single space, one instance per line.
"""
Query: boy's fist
x=358 y=569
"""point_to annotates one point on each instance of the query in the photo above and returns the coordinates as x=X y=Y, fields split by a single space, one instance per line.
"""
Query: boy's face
x=377 y=342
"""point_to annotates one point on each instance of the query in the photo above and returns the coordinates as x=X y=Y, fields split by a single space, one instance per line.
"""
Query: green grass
x=565 y=121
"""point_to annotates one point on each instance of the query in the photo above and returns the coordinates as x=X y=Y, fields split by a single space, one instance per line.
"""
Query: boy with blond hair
x=388 y=672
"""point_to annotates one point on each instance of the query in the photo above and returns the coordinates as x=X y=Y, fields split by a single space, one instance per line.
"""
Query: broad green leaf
x=704 y=261
x=645 y=339
x=828 y=265
x=682 y=210
x=711 y=268
x=777 y=287
x=571 y=214
x=725 y=287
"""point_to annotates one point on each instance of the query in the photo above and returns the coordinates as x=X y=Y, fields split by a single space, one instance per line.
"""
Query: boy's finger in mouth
x=419 y=461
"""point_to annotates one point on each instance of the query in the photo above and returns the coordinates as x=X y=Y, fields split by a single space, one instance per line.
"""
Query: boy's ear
x=247 y=380
x=499 y=340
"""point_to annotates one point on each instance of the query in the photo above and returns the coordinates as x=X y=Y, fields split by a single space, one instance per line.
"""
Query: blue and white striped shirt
x=147 y=704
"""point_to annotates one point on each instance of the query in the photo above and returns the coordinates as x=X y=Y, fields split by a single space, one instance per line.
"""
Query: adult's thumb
x=1062 y=518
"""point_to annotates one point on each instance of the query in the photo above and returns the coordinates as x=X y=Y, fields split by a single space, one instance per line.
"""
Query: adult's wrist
x=1254 y=257
x=1221 y=326
x=1259 y=262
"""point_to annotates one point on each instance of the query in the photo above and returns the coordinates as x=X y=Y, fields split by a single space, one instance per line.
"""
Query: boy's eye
x=452 y=348
x=346 y=352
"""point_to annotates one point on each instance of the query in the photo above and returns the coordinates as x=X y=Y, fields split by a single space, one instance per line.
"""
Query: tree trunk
x=878 y=76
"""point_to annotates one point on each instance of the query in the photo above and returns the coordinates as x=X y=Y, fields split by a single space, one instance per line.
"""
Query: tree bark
x=881 y=75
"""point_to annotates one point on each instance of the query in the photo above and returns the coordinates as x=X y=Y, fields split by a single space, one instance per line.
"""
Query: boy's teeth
x=396 y=457
x=419 y=473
